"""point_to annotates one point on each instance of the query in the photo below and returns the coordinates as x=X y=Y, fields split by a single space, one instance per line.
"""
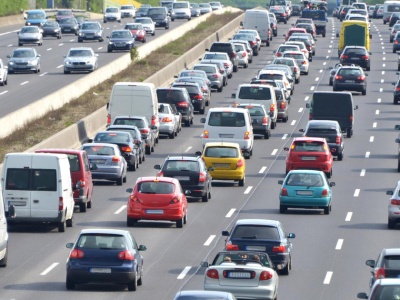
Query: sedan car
x=332 y=72
x=205 y=8
x=148 y=25
x=137 y=31
x=213 y=74
x=158 y=199
x=90 y=31
x=195 y=93
x=80 y=59
x=169 y=125
x=252 y=39
x=356 y=55
x=105 y=256
x=23 y=60
x=224 y=57
x=3 y=73
x=301 y=60
x=108 y=160
x=246 y=274
x=386 y=266
x=292 y=63
x=261 y=120
x=350 y=78
x=394 y=207
x=30 y=35
x=225 y=161
x=112 y=14
x=69 y=25
x=203 y=295
x=120 y=40
x=64 y=14
x=262 y=235
x=393 y=31
x=191 y=172
x=51 y=28
x=307 y=189
x=194 y=9
x=387 y=289
x=280 y=13
x=309 y=153
x=243 y=56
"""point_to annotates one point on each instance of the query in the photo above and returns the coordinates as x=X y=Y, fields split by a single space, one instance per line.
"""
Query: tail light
x=153 y=120
x=115 y=159
x=60 y=203
x=324 y=193
x=343 y=12
x=247 y=135
x=144 y=130
x=134 y=199
x=226 y=65
x=205 y=134
x=230 y=247
x=265 y=121
x=76 y=254
x=202 y=177
x=126 y=255
x=278 y=54
x=272 y=107
x=338 y=77
x=244 y=54
x=283 y=105
x=365 y=57
x=344 y=56
x=175 y=200
x=160 y=174
x=398 y=89
x=281 y=248
x=351 y=118
x=108 y=119
x=295 y=69
x=182 y=104
x=283 y=15
x=221 y=71
x=284 y=192
x=166 y=120
x=304 y=62
x=212 y=273
x=265 y=275
x=239 y=163
x=380 y=273
x=204 y=89
x=126 y=149
x=232 y=55
x=361 y=77
x=216 y=76
x=338 y=140
x=395 y=202
x=80 y=183
x=252 y=43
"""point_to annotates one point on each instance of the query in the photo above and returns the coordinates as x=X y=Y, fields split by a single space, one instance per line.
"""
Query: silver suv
x=90 y=31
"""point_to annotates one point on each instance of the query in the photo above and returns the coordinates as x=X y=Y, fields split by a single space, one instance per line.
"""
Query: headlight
x=98 y=33
x=11 y=63
x=32 y=62
x=111 y=43
x=68 y=62
x=80 y=34
x=56 y=30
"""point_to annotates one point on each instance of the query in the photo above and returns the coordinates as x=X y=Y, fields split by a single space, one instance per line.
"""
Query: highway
x=329 y=253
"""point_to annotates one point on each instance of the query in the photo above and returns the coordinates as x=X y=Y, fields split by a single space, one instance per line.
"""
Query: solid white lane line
x=184 y=272
x=188 y=148
x=367 y=154
x=248 y=190
x=293 y=122
x=362 y=173
x=348 y=216
x=284 y=136
x=377 y=112
x=262 y=170
x=274 y=151
x=328 y=277
x=371 y=138
x=25 y=82
x=339 y=244
x=300 y=109
x=52 y=266
x=60 y=66
x=374 y=125
x=379 y=100
x=356 y=193
x=230 y=213
x=120 y=209
x=2 y=93
x=209 y=240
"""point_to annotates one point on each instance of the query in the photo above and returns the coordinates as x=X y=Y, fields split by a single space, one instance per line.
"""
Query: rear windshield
x=221 y=152
x=226 y=119
x=270 y=76
x=349 y=72
x=305 y=180
x=99 y=150
x=392 y=262
x=255 y=232
x=192 y=89
x=153 y=187
x=321 y=130
x=101 y=241
x=256 y=92
x=221 y=48
x=31 y=179
x=215 y=56
x=355 y=51
x=132 y=132
x=294 y=55
x=181 y=165
x=254 y=110
x=133 y=122
x=308 y=146
x=111 y=137
x=207 y=69
x=170 y=96
x=156 y=11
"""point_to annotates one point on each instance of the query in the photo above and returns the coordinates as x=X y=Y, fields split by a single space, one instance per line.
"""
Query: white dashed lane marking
x=300 y=109
x=248 y=190
x=188 y=149
x=209 y=240
x=367 y=154
x=25 y=82
x=120 y=209
x=2 y=93
x=230 y=213
x=371 y=139
x=328 y=277
x=362 y=173
x=377 y=112
x=339 y=244
x=274 y=151
x=284 y=136
x=348 y=216
x=356 y=193
x=52 y=266
x=262 y=170
x=374 y=125
x=184 y=272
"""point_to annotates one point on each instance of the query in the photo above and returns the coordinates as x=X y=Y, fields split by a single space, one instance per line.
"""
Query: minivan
x=181 y=10
x=229 y=124
x=259 y=20
x=159 y=15
x=258 y=94
x=39 y=186
x=134 y=99
x=335 y=106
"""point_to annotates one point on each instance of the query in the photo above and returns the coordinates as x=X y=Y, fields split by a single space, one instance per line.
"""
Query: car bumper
x=196 y=191
x=107 y=173
x=84 y=275
x=78 y=67
x=227 y=174
x=29 y=41
x=166 y=128
x=155 y=213
x=115 y=47
x=90 y=37
x=324 y=167
x=244 y=292
x=161 y=24
x=198 y=104
x=305 y=202
x=261 y=129
x=80 y=196
x=349 y=87
x=243 y=61
x=181 y=16
x=21 y=68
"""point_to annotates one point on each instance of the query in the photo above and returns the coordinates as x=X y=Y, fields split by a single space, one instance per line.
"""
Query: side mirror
x=130 y=190
x=362 y=296
x=157 y=167
x=11 y=211
x=198 y=153
x=389 y=193
x=280 y=181
x=370 y=262
x=331 y=184
x=204 y=264
x=246 y=155
x=225 y=233
x=241 y=23
x=203 y=120
x=210 y=169
x=69 y=245
x=337 y=35
x=286 y=149
x=291 y=236
x=233 y=96
x=142 y=248
x=397 y=127
x=355 y=107
x=302 y=130
x=307 y=105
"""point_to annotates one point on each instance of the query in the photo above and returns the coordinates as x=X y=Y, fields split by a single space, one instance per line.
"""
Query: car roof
x=263 y=222
x=387 y=281
x=191 y=158
x=131 y=117
x=101 y=144
x=322 y=122
x=307 y=171
x=391 y=251
x=308 y=138
x=104 y=230
x=60 y=150
x=222 y=144
x=122 y=126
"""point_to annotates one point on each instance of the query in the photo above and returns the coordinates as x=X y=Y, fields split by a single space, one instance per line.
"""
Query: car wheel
x=273 y=125
x=327 y=210
x=61 y=226
x=391 y=40
x=329 y=174
x=330 y=83
x=282 y=209
x=89 y=204
x=144 y=40
x=368 y=68
x=154 y=33
x=267 y=135
x=152 y=148
x=349 y=132
x=130 y=222
x=297 y=80
x=204 y=198
x=132 y=286
x=148 y=151
x=230 y=76
x=132 y=167
x=340 y=156
x=82 y=207
x=179 y=223
x=3 y=261
x=20 y=44
x=140 y=280
x=109 y=50
x=284 y=120
x=171 y=135
x=70 y=285
x=120 y=180
x=79 y=41
x=187 y=123
x=242 y=181
x=250 y=60
x=202 y=111
x=246 y=66
x=70 y=222
x=191 y=120
x=185 y=218
x=235 y=69
x=172 y=20
x=285 y=270
x=391 y=224
x=364 y=92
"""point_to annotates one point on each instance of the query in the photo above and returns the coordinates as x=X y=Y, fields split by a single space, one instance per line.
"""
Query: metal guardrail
x=53 y=11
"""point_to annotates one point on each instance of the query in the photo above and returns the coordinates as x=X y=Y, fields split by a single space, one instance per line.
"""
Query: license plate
x=238 y=275
x=182 y=177
x=100 y=270
x=154 y=211
x=255 y=248
x=304 y=193
x=98 y=161
x=121 y=45
x=67 y=29
x=354 y=58
x=230 y=136
x=349 y=81
x=224 y=166
x=308 y=158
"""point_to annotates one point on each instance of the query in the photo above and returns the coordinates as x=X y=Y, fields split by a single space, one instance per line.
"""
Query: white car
x=169 y=120
x=3 y=73
x=276 y=75
x=394 y=206
x=148 y=25
x=242 y=54
x=80 y=59
x=112 y=14
x=301 y=59
x=128 y=11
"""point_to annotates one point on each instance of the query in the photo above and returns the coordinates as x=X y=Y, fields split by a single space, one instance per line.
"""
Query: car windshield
x=74 y=165
x=120 y=34
x=127 y=7
x=64 y=13
x=68 y=21
x=308 y=146
x=180 y=5
x=255 y=232
x=101 y=241
x=112 y=10
x=304 y=179
x=23 y=53
x=36 y=16
x=134 y=26
x=242 y=258
x=90 y=26
x=221 y=152
x=181 y=165
x=50 y=24
x=111 y=137
x=30 y=30
x=155 y=187
x=133 y=122
x=80 y=53
x=99 y=150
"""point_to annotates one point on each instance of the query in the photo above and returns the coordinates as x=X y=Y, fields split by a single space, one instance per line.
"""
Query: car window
x=226 y=119
x=152 y=187
x=190 y=88
x=321 y=130
x=133 y=122
x=268 y=76
x=391 y=262
x=221 y=152
x=99 y=150
x=255 y=232
x=305 y=180
x=181 y=165
x=242 y=258
x=308 y=146
x=170 y=96
x=111 y=137
x=254 y=110
x=207 y=69
x=132 y=132
x=101 y=241
x=74 y=162
x=257 y=92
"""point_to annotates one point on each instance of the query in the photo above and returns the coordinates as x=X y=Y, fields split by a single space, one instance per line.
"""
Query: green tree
x=67 y=3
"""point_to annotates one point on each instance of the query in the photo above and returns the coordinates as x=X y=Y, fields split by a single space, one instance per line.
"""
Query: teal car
x=307 y=189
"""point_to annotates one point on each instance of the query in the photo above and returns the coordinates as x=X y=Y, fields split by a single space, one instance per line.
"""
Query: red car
x=309 y=153
x=292 y=30
x=137 y=31
x=157 y=198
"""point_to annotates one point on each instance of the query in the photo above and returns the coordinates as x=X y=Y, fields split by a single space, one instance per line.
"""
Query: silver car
x=195 y=9
x=90 y=31
x=394 y=207
x=30 y=35
x=291 y=62
x=148 y=25
x=80 y=59
x=213 y=74
x=205 y=8
x=23 y=60
x=3 y=73
x=221 y=56
x=168 y=120
x=246 y=44
x=300 y=58
x=107 y=161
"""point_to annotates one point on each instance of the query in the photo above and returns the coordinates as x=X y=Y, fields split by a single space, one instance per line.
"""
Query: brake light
x=324 y=193
x=175 y=200
x=344 y=56
x=338 y=77
x=212 y=273
x=272 y=107
x=380 y=273
x=133 y=198
x=304 y=62
x=398 y=89
x=226 y=65
x=126 y=255
x=295 y=69
x=115 y=159
x=216 y=75
x=247 y=135
x=366 y=57
x=265 y=121
x=166 y=120
x=144 y=131
x=76 y=254
x=182 y=104
x=284 y=192
x=265 y=275
x=244 y=54
x=231 y=247
x=80 y=183
x=160 y=174
x=278 y=54
x=233 y=55
x=205 y=134
x=362 y=78
x=239 y=163
x=60 y=203
x=153 y=120
x=126 y=149
x=108 y=119
x=351 y=118
x=283 y=105
x=202 y=177
x=198 y=97
x=395 y=202
x=252 y=43
x=310 y=116
x=280 y=248
x=338 y=140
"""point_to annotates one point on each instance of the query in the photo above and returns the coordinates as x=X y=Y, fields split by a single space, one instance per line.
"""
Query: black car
x=396 y=91
x=191 y=172
x=296 y=10
x=265 y=236
x=375 y=14
x=393 y=19
x=261 y=121
x=137 y=137
x=350 y=78
x=142 y=11
x=195 y=93
x=126 y=145
x=69 y=25
x=331 y=131
x=396 y=42
x=356 y=55
x=181 y=99
x=280 y=13
x=120 y=40
x=160 y=16
x=51 y=28
x=226 y=48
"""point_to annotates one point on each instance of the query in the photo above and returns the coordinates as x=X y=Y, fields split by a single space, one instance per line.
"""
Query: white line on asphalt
x=377 y=112
x=52 y=266
x=60 y=66
x=383 y=53
x=362 y=173
x=324 y=63
x=321 y=71
x=306 y=98
x=230 y=213
x=274 y=151
x=72 y=40
x=374 y=125
x=184 y=272
x=248 y=190
x=383 y=72
x=48 y=49
x=316 y=79
x=300 y=109
x=383 y=47
x=379 y=100
x=262 y=170
x=293 y=122
x=284 y=136
x=383 y=58
x=188 y=148
x=2 y=93
x=327 y=57
x=209 y=240
x=383 y=65
x=380 y=39
x=339 y=244
x=328 y=277
x=201 y=135
x=367 y=154
x=356 y=193
x=25 y=82
x=99 y=48
x=382 y=80
x=382 y=43
x=329 y=51
x=61 y=44
x=312 y=88
x=45 y=73
x=380 y=90
x=371 y=138
x=348 y=216
x=10 y=45
x=120 y=209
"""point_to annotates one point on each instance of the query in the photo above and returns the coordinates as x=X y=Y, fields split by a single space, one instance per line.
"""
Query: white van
x=258 y=94
x=229 y=124
x=181 y=10
x=134 y=99
x=259 y=20
x=39 y=186
x=3 y=230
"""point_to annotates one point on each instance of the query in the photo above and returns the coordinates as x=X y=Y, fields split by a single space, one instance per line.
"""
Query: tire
x=285 y=270
x=3 y=261
x=179 y=223
x=185 y=218
x=391 y=224
x=130 y=222
x=349 y=133
x=369 y=68
x=246 y=66
x=20 y=44
x=148 y=150
x=202 y=111
x=70 y=285
x=297 y=80
x=120 y=180
x=172 y=135
x=398 y=164
x=153 y=34
x=323 y=35
x=267 y=135
x=82 y=207
x=242 y=181
x=282 y=209
x=235 y=69
x=340 y=156
x=330 y=83
x=273 y=125
x=70 y=222
x=364 y=92
x=140 y=280
x=132 y=167
x=61 y=226
x=284 y=120
x=329 y=174
x=79 y=41
x=327 y=210
x=89 y=204
x=220 y=89
x=109 y=50
x=204 y=198
x=132 y=286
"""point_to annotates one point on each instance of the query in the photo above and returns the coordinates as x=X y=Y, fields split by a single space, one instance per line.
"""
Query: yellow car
x=225 y=161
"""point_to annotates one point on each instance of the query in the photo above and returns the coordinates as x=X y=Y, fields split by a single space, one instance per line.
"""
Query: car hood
x=79 y=58
x=23 y=59
x=116 y=40
x=29 y=35
x=90 y=30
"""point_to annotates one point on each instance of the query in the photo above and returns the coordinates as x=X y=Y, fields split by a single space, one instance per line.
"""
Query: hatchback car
x=350 y=78
x=383 y=289
x=112 y=14
x=356 y=55
x=394 y=207
x=386 y=266
x=309 y=153
x=225 y=161
x=332 y=72
x=3 y=73
x=246 y=44
x=179 y=97
x=252 y=39
x=280 y=13
x=261 y=120
x=222 y=56
x=213 y=74
x=227 y=48
x=396 y=92
x=108 y=160
x=105 y=256
x=292 y=63
x=90 y=31
x=148 y=25
x=285 y=47
x=396 y=42
x=307 y=189
x=169 y=124
x=274 y=24
x=262 y=235
x=80 y=59
x=194 y=9
x=158 y=199
x=23 y=60
x=305 y=39
x=203 y=83
x=282 y=101
x=120 y=40
x=30 y=35
x=293 y=30
x=51 y=28
x=195 y=93
x=69 y=25
x=137 y=31
x=63 y=14
x=394 y=17
x=301 y=60
x=205 y=8
x=191 y=172
x=243 y=56
x=310 y=28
